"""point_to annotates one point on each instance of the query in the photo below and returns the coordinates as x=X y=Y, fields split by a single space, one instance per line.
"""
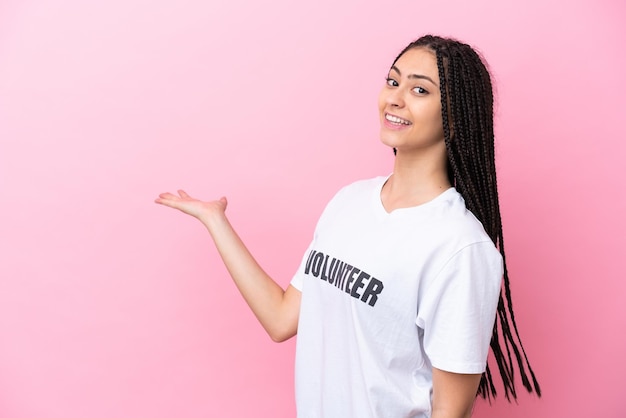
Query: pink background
x=111 y=306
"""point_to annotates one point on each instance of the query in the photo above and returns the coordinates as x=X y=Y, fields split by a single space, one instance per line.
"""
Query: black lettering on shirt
x=333 y=270
x=307 y=266
x=324 y=275
x=317 y=264
x=351 y=278
x=346 y=273
x=344 y=277
x=374 y=287
x=359 y=284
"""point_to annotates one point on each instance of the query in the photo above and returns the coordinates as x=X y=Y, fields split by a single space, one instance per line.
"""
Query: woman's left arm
x=453 y=394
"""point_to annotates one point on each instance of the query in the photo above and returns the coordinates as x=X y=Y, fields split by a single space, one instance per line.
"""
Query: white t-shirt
x=387 y=296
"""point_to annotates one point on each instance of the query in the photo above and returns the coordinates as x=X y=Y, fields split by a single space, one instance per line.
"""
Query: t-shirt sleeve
x=457 y=311
x=298 y=278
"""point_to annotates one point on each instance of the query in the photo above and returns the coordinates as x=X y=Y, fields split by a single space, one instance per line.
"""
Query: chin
x=385 y=140
x=388 y=143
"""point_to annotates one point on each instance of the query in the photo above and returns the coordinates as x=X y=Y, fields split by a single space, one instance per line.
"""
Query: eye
x=391 y=82
x=420 y=90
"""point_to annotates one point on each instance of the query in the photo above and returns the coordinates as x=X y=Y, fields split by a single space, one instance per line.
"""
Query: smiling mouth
x=396 y=120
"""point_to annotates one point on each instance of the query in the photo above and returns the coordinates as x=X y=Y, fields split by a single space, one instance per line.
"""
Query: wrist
x=214 y=220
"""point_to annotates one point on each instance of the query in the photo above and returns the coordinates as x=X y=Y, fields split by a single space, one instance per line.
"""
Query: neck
x=416 y=179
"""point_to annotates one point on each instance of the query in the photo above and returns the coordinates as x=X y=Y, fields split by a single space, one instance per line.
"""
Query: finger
x=168 y=195
x=164 y=202
x=183 y=193
x=167 y=199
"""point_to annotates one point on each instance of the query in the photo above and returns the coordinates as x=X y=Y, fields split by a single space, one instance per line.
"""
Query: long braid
x=467 y=114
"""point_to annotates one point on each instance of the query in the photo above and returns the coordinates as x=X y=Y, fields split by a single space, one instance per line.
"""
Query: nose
x=395 y=98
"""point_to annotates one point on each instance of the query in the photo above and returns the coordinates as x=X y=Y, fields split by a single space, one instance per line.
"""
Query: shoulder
x=363 y=185
x=356 y=195
x=458 y=223
x=359 y=189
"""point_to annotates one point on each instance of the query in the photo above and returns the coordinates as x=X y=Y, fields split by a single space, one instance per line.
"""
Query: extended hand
x=277 y=310
x=194 y=207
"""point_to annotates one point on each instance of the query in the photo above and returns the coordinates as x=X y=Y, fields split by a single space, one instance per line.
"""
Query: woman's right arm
x=276 y=309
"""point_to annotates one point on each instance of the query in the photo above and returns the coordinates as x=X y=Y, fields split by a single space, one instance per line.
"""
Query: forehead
x=418 y=61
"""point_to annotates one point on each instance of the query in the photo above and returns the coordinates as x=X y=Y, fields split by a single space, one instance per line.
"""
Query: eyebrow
x=418 y=76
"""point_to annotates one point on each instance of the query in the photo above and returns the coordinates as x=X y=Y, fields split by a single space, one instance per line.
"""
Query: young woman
x=395 y=300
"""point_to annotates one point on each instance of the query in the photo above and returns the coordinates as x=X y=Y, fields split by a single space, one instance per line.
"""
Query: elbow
x=281 y=335
x=278 y=338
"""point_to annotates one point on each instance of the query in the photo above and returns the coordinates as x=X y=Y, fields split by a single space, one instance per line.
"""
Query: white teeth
x=395 y=119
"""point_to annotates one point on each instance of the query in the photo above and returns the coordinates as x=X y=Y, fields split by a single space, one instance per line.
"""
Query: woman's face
x=410 y=103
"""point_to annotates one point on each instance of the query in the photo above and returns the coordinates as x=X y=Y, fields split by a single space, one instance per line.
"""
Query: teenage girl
x=398 y=298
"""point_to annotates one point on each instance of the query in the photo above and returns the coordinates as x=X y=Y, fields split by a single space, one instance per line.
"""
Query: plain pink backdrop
x=111 y=306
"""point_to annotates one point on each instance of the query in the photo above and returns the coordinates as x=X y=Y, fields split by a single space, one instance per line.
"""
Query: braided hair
x=467 y=113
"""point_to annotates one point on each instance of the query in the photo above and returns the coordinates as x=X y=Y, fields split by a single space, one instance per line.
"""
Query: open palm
x=191 y=206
